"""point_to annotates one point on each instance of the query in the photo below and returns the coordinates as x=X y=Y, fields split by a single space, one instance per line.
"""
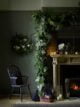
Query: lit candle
x=66 y=53
x=52 y=53
x=76 y=53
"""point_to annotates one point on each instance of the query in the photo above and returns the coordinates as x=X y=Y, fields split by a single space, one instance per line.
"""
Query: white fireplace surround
x=62 y=60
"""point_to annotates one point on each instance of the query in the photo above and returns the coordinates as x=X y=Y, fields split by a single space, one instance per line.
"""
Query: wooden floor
x=6 y=102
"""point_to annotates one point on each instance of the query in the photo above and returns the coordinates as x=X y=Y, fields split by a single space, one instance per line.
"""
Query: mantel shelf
x=66 y=56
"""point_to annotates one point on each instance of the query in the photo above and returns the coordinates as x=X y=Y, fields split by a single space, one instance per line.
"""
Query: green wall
x=10 y=23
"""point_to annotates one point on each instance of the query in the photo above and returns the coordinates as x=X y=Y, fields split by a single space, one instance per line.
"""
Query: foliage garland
x=41 y=45
x=45 y=25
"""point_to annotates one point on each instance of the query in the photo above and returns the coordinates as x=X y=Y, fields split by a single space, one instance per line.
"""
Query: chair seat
x=13 y=77
x=17 y=85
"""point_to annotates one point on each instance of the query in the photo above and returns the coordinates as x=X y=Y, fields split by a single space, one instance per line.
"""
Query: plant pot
x=46 y=99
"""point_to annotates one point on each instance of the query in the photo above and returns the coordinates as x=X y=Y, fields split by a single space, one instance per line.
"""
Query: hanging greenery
x=47 y=23
x=21 y=44
x=41 y=46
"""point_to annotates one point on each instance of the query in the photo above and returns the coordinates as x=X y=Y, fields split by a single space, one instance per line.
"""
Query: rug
x=54 y=104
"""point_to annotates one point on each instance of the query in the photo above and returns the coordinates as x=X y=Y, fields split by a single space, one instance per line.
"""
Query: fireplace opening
x=70 y=80
x=74 y=87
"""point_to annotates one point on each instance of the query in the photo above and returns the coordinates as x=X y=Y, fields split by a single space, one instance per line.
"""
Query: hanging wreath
x=21 y=44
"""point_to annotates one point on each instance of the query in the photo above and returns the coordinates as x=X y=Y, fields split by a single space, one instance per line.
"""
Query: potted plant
x=40 y=51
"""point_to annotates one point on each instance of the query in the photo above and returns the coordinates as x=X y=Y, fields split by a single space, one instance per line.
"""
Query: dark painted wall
x=10 y=23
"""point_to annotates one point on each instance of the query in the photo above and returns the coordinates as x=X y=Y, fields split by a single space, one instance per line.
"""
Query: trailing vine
x=41 y=46
x=47 y=23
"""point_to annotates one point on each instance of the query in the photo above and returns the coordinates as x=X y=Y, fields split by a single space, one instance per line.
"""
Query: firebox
x=72 y=87
x=70 y=80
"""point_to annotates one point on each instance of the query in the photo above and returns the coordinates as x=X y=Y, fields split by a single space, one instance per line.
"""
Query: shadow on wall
x=10 y=23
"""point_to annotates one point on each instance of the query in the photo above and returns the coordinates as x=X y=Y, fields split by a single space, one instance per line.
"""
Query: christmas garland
x=46 y=23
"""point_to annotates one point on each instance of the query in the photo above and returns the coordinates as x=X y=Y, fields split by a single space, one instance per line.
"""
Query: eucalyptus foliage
x=42 y=39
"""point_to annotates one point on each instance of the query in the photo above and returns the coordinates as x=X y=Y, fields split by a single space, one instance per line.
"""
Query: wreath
x=21 y=44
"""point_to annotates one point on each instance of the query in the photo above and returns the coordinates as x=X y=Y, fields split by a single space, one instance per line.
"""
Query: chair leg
x=29 y=91
x=21 y=93
x=11 y=92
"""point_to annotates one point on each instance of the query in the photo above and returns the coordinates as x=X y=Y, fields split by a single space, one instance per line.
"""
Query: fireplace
x=66 y=75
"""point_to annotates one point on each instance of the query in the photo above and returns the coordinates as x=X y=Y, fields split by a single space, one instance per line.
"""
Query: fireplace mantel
x=66 y=56
x=58 y=60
